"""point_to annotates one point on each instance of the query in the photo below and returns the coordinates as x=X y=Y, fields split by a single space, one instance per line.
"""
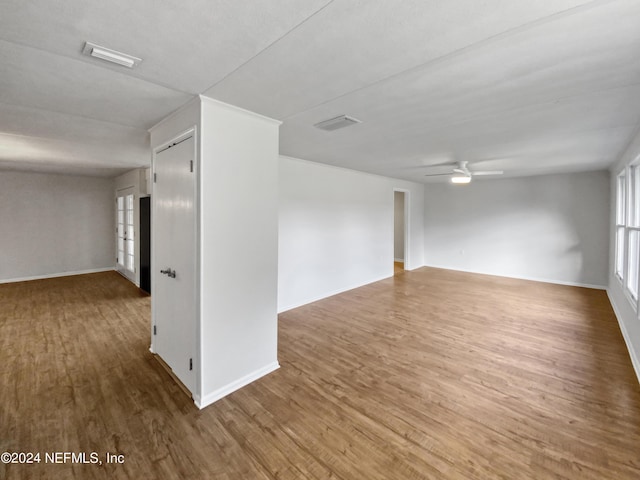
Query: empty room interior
x=322 y=239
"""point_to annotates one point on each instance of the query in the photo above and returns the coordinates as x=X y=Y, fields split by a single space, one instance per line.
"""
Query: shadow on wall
x=552 y=227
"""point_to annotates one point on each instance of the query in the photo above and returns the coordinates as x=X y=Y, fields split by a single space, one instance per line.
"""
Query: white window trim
x=632 y=297
x=629 y=201
x=621 y=200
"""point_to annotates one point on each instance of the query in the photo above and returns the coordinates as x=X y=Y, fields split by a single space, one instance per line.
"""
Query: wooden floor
x=430 y=374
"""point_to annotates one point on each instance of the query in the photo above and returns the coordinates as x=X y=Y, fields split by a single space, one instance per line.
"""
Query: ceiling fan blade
x=460 y=170
x=437 y=174
x=488 y=172
x=442 y=164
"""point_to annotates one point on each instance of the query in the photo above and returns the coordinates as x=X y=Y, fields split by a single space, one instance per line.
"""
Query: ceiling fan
x=461 y=173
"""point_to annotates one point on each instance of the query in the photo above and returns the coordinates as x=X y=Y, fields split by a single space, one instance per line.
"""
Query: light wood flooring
x=431 y=374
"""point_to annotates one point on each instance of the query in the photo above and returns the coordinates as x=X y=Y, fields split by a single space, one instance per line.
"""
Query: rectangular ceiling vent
x=109 y=55
x=336 y=123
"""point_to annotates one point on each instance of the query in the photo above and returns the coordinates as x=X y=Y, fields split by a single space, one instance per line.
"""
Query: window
x=620 y=224
x=627 y=253
x=633 y=231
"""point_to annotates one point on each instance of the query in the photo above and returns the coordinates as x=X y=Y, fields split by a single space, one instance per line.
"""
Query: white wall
x=398 y=229
x=237 y=168
x=551 y=228
x=54 y=225
x=625 y=312
x=336 y=230
x=239 y=211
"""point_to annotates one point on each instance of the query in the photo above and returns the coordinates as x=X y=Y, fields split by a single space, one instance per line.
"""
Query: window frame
x=619 y=266
x=627 y=232
x=632 y=229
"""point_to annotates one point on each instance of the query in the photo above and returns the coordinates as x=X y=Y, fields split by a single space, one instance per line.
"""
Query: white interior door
x=173 y=296
x=125 y=233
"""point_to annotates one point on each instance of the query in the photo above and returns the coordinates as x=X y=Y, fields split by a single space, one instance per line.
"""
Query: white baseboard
x=625 y=334
x=401 y=260
x=216 y=395
x=410 y=268
x=330 y=293
x=56 y=275
x=531 y=279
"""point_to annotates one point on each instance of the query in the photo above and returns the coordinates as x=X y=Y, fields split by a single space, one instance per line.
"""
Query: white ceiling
x=528 y=86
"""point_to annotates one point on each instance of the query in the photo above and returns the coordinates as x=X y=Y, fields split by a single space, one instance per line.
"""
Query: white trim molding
x=531 y=279
x=216 y=395
x=635 y=361
x=56 y=275
x=331 y=293
x=233 y=108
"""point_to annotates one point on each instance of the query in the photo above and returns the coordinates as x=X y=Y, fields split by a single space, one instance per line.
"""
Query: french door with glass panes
x=125 y=233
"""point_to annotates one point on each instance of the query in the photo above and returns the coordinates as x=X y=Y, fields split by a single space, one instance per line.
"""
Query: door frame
x=190 y=132
x=407 y=224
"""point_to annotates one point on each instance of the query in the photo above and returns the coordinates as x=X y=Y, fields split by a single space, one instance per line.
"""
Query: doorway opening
x=400 y=230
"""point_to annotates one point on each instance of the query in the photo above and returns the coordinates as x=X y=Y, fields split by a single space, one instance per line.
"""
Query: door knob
x=169 y=272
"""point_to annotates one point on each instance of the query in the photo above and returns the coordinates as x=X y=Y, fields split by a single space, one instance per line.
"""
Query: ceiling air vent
x=109 y=55
x=336 y=123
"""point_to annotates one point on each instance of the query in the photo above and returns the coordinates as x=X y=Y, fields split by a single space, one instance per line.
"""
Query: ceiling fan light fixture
x=109 y=55
x=460 y=179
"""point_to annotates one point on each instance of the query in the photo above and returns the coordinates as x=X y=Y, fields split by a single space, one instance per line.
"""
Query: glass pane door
x=121 y=232
x=130 y=230
x=125 y=233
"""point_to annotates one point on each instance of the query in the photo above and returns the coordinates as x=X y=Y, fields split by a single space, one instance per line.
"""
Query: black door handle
x=169 y=272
